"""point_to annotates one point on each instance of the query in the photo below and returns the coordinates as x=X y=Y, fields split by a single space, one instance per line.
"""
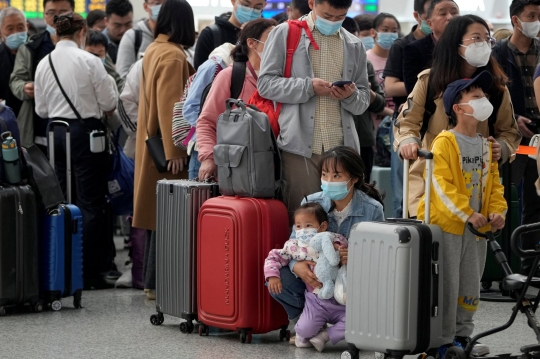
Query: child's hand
x=274 y=285
x=477 y=220
x=496 y=221
x=344 y=255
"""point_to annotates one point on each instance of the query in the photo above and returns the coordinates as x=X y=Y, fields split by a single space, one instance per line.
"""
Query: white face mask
x=482 y=108
x=305 y=234
x=477 y=56
x=530 y=29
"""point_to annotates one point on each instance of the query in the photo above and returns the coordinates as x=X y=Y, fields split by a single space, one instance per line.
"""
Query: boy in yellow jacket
x=465 y=189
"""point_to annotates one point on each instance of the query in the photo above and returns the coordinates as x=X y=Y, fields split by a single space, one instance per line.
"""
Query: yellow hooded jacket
x=449 y=202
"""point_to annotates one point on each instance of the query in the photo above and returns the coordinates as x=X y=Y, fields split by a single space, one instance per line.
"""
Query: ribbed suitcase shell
x=178 y=205
x=384 y=287
x=235 y=236
x=57 y=264
x=18 y=247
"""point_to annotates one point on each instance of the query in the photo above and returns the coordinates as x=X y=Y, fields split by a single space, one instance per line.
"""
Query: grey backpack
x=246 y=153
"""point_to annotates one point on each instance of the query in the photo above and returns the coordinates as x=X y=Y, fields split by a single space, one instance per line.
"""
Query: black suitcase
x=18 y=248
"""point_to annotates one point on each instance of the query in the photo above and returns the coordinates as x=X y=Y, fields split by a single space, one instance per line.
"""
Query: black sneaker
x=478 y=350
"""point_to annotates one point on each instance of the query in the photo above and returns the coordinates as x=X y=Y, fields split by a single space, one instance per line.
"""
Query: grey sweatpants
x=464 y=260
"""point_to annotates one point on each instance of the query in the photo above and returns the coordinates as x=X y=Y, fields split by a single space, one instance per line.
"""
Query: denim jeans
x=194 y=165
x=292 y=293
x=397 y=179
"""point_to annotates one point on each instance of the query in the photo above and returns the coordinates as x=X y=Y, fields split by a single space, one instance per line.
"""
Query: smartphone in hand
x=341 y=83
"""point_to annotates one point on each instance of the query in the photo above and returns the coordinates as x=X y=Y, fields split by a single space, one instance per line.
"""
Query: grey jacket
x=297 y=94
x=126 y=50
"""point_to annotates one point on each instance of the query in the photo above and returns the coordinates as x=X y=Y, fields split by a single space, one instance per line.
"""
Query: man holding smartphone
x=329 y=86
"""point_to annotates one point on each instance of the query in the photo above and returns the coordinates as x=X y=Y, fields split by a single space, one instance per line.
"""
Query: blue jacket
x=363 y=209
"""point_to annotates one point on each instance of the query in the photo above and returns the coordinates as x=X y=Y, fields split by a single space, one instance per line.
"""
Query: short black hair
x=419 y=5
x=379 y=19
x=300 y=5
x=350 y=25
x=281 y=17
x=71 y=3
x=176 y=20
x=365 y=22
x=517 y=6
x=434 y=3
x=336 y=4
x=96 y=38
x=118 y=7
x=315 y=209
x=457 y=100
x=95 y=16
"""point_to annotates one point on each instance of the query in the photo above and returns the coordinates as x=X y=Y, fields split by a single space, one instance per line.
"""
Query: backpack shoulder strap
x=138 y=41
x=238 y=77
x=430 y=108
x=293 y=39
x=504 y=56
x=216 y=34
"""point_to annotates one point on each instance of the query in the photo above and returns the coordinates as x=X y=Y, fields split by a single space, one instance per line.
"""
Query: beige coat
x=165 y=72
x=409 y=123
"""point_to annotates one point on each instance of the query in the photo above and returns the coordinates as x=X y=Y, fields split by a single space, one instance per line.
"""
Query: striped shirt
x=327 y=65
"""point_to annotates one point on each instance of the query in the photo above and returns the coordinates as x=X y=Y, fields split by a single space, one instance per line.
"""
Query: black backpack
x=138 y=41
x=237 y=83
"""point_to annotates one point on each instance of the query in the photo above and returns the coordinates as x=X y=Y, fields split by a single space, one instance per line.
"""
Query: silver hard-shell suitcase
x=394 y=283
x=178 y=205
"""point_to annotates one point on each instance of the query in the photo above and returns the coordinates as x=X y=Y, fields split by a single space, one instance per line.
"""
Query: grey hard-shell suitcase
x=178 y=205
x=394 y=283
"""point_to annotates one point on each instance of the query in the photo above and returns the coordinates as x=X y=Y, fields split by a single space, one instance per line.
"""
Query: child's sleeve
x=277 y=259
x=497 y=203
x=451 y=202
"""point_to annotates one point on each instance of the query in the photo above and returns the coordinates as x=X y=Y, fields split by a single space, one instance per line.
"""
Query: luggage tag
x=190 y=147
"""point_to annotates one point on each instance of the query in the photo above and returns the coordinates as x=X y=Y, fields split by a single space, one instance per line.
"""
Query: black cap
x=484 y=80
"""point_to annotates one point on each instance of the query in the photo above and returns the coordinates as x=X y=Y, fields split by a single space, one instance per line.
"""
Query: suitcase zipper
x=20 y=244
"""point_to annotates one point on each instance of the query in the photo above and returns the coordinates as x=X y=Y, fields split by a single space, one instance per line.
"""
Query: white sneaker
x=379 y=355
x=319 y=341
x=126 y=280
x=480 y=350
x=299 y=344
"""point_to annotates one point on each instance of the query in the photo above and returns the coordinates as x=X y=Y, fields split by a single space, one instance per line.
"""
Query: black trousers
x=367 y=155
x=89 y=178
x=524 y=168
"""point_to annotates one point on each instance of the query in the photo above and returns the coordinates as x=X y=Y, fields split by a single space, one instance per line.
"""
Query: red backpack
x=293 y=39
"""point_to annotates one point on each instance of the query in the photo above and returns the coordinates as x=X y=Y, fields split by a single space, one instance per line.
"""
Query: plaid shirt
x=527 y=66
x=327 y=65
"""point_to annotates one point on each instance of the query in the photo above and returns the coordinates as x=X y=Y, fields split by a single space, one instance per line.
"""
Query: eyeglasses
x=480 y=41
x=262 y=42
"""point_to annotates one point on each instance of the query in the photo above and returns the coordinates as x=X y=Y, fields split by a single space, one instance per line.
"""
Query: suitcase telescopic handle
x=52 y=126
x=428 y=156
x=516 y=241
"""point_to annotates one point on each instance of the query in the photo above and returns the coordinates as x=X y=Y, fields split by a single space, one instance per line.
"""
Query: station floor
x=115 y=324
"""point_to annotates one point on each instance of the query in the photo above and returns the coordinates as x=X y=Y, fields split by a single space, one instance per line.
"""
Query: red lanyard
x=253 y=73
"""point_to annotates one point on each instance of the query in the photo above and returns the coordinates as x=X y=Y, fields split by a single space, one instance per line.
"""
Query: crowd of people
x=452 y=85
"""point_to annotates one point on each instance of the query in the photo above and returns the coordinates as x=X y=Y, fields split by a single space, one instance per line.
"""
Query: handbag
x=42 y=178
x=121 y=178
x=154 y=144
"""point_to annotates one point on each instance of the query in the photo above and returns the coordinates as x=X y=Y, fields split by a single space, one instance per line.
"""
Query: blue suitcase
x=61 y=247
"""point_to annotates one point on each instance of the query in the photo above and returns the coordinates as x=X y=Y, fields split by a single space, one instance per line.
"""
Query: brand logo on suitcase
x=227 y=267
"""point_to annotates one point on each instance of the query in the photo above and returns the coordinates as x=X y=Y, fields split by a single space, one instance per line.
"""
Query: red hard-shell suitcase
x=235 y=236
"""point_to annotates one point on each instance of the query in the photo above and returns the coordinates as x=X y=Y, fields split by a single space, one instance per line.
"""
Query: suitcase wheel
x=2 y=311
x=56 y=305
x=284 y=334
x=36 y=307
x=455 y=352
x=203 y=329
x=245 y=337
x=486 y=285
x=187 y=327
x=351 y=353
x=157 y=319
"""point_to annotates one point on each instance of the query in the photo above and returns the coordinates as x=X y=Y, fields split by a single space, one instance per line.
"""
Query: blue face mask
x=425 y=28
x=14 y=41
x=155 y=11
x=103 y=61
x=51 y=30
x=246 y=14
x=386 y=39
x=368 y=41
x=336 y=191
x=327 y=27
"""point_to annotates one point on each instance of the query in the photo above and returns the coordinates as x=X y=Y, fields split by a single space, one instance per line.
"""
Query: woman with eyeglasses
x=463 y=51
